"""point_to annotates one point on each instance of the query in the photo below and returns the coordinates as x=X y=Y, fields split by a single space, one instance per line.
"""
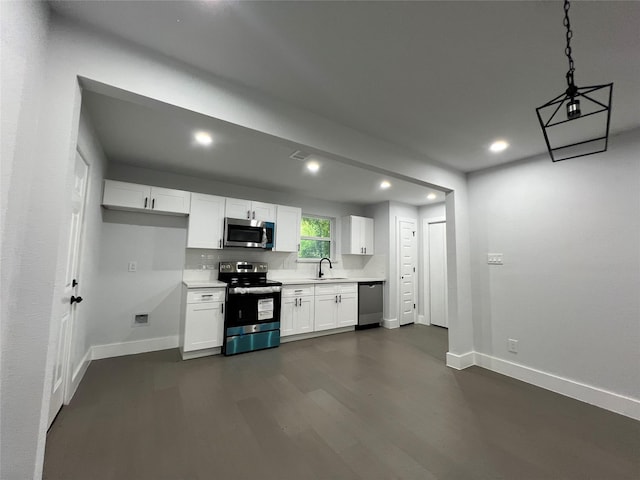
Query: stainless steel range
x=252 y=310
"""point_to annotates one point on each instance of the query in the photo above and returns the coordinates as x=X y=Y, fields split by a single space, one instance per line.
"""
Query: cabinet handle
x=222 y=305
x=254 y=214
x=365 y=249
x=220 y=243
x=298 y=247
x=209 y=295
x=296 y=302
x=336 y=298
x=153 y=203
x=146 y=199
x=340 y=298
x=248 y=214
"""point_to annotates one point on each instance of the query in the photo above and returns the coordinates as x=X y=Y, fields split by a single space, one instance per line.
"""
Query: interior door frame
x=425 y=265
x=398 y=269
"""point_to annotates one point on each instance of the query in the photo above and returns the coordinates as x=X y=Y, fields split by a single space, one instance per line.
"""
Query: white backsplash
x=201 y=264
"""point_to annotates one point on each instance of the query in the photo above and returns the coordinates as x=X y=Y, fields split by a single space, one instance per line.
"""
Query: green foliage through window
x=315 y=241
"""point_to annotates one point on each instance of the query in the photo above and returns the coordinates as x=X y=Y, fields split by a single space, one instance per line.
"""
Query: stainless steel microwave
x=248 y=233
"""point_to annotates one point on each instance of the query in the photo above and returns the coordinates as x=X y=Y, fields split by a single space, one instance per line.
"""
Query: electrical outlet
x=132 y=267
x=512 y=345
x=494 y=258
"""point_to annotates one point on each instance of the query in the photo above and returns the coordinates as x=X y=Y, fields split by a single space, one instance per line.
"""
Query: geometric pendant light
x=576 y=122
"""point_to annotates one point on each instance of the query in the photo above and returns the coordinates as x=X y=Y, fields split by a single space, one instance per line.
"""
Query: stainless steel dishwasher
x=369 y=305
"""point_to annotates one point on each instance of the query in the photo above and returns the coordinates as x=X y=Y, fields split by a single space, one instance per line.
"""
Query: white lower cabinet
x=297 y=311
x=203 y=320
x=336 y=306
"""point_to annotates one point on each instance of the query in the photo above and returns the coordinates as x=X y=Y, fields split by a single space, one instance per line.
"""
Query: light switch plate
x=494 y=258
x=132 y=267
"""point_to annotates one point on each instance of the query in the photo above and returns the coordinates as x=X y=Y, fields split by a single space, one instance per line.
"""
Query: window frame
x=331 y=239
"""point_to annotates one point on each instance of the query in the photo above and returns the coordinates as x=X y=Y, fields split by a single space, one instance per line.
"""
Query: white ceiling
x=440 y=78
x=159 y=136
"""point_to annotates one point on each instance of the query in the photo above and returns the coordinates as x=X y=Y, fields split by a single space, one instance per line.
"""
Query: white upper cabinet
x=287 y=229
x=131 y=196
x=357 y=235
x=206 y=221
x=238 y=208
x=126 y=195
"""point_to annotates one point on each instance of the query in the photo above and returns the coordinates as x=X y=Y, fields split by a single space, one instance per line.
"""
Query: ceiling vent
x=299 y=155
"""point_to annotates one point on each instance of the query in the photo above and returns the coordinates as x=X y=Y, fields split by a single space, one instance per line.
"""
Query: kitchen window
x=316 y=237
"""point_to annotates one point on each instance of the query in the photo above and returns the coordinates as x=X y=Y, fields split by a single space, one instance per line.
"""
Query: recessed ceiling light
x=431 y=196
x=313 y=166
x=498 y=146
x=384 y=184
x=203 y=138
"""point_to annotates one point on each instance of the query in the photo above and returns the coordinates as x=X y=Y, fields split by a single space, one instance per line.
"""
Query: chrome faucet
x=320 y=274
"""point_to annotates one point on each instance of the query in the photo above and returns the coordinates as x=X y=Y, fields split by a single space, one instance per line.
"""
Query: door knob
x=74 y=282
x=75 y=300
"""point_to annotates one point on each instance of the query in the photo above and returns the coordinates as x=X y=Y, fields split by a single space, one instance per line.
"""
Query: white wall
x=27 y=256
x=569 y=289
x=88 y=287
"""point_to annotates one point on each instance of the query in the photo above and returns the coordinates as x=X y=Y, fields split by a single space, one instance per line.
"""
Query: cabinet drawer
x=336 y=288
x=297 y=291
x=205 y=295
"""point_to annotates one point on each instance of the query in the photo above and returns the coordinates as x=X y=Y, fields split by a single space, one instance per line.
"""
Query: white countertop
x=306 y=281
x=285 y=281
x=204 y=284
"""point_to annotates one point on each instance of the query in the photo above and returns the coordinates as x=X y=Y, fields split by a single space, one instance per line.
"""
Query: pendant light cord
x=571 y=90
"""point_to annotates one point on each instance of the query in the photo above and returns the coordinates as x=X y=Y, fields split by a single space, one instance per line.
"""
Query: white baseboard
x=422 y=320
x=608 y=400
x=321 y=333
x=390 y=323
x=460 y=362
x=207 y=352
x=78 y=375
x=130 y=348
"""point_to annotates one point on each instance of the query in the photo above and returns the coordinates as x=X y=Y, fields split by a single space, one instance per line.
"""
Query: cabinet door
x=265 y=212
x=305 y=315
x=368 y=236
x=126 y=195
x=347 y=310
x=206 y=221
x=287 y=316
x=203 y=326
x=169 y=200
x=287 y=229
x=326 y=308
x=238 y=208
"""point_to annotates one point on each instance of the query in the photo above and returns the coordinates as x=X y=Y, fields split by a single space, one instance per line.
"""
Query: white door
x=438 y=274
x=407 y=266
x=70 y=296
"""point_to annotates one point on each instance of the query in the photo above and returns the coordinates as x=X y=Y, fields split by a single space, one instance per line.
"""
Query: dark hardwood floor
x=376 y=404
